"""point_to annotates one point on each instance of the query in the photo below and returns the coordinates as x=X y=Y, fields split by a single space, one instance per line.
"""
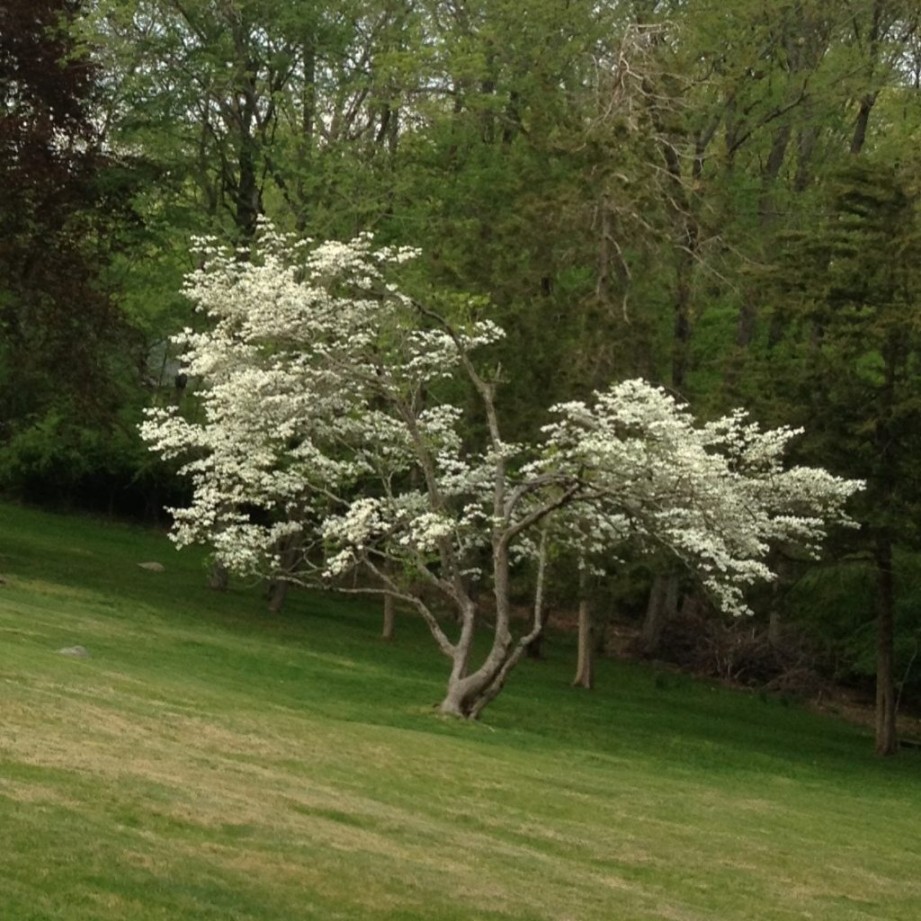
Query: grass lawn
x=212 y=761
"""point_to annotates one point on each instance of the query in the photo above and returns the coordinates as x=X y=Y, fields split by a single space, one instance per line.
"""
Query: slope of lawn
x=212 y=761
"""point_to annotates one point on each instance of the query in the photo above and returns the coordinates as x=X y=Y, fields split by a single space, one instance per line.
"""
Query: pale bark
x=585 y=677
x=585 y=659
x=387 y=631
x=533 y=650
x=218 y=577
x=469 y=693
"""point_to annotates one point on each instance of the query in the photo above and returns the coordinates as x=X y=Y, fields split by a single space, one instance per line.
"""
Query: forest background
x=718 y=197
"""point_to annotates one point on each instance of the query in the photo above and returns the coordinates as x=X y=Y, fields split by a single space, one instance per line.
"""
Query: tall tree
x=847 y=365
x=264 y=106
x=65 y=349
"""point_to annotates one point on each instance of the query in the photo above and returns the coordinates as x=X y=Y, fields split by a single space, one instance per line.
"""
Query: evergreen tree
x=845 y=361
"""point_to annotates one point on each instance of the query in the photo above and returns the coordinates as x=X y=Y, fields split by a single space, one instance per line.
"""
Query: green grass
x=212 y=761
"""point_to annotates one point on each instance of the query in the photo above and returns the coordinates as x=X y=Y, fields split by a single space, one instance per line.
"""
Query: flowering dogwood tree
x=323 y=448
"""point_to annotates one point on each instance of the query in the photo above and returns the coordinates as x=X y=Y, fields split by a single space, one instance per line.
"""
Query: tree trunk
x=775 y=624
x=288 y=554
x=886 y=440
x=862 y=122
x=458 y=701
x=661 y=608
x=586 y=648
x=389 y=618
x=278 y=592
x=681 y=341
x=886 y=736
x=533 y=649
x=767 y=207
x=651 y=633
x=775 y=633
x=219 y=577
x=469 y=693
x=463 y=689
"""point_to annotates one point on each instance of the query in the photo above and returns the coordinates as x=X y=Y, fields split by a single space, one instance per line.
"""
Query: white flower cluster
x=318 y=418
x=717 y=495
x=310 y=373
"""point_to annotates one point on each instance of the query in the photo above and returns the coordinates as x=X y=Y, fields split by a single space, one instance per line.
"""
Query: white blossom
x=317 y=419
x=716 y=495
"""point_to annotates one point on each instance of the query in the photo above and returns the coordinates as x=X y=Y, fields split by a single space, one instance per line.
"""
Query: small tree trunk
x=533 y=649
x=469 y=693
x=662 y=606
x=461 y=700
x=219 y=577
x=775 y=626
x=387 y=632
x=463 y=689
x=278 y=592
x=288 y=557
x=652 y=622
x=859 y=136
x=586 y=648
x=886 y=735
x=536 y=648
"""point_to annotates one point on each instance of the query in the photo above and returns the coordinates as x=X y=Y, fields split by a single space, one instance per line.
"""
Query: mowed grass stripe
x=212 y=761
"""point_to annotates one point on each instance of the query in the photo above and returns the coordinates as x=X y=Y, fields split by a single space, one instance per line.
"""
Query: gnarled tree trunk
x=469 y=693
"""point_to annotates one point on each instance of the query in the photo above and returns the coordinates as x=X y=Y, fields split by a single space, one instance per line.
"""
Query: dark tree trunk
x=886 y=736
x=863 y=121
x=289 y=557
x=661 y=608
x=767 y=209
x=278 y=592
x=248 y=205
x=775 y=620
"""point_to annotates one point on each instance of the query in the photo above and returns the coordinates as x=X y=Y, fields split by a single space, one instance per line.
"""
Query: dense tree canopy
x=687 y=193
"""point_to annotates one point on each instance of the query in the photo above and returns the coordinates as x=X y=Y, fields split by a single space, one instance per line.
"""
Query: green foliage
x=69 y=358
x=846 y=352
x=830 y=605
